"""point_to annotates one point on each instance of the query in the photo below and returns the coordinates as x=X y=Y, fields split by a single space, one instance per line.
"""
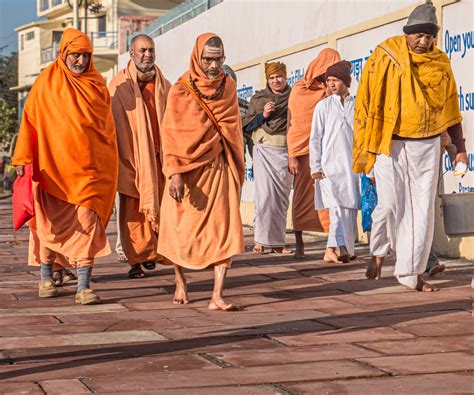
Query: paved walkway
x=307 y=327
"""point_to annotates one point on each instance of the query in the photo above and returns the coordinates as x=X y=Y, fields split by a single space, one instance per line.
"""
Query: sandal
x=122 y=258
x=149 y=265
x=136 y=271
x=58 y=278
x=68 y=276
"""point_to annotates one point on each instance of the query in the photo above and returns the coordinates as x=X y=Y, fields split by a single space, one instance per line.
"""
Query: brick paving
x=306 y=327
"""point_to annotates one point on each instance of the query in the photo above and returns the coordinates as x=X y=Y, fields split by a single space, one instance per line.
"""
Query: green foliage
x=8 y=124
x=8 y=99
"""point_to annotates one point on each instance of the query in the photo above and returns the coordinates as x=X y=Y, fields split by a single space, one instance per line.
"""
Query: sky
x=14 y=13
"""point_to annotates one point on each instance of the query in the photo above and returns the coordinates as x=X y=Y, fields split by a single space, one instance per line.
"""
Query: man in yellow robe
x=407 y=98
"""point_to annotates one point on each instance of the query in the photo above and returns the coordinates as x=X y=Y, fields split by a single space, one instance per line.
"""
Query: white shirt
x=330 y=147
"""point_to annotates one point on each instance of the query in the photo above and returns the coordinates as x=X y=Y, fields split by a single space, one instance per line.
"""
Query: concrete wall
x=295 y=31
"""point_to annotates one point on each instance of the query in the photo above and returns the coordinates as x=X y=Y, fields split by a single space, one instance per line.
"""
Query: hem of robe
x=136 y=252
x=227 y=262
x=305 y=216
x=206 y=227
x=74 y=232
x=270 y=245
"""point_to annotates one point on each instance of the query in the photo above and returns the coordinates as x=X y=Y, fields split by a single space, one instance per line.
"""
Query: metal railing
x=104 y=40
x=177 y=16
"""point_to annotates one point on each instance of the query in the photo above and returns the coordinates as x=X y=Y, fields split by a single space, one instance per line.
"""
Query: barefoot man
x=406 y=99
x=330 y=145
x=203 y=162
x=267 y=118
x=306 y=93
x=67 y=133
x=138 y=103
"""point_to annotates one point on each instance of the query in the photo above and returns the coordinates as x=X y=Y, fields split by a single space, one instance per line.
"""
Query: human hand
x=461 y=157
x=293 y=166
x=20 y=170
x=372 y=180
x=319 y=175
x=177 y=187
x=268 y=109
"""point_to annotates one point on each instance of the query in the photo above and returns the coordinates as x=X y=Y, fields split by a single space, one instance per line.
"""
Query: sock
x=46 y=271
x=83 y=278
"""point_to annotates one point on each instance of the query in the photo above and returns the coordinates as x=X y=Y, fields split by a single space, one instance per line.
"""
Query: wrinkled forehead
x=275 y=75
x=143 y=43
x=209 y=51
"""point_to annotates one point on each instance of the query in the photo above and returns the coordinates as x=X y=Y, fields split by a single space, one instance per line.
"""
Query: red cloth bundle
x=23 y=208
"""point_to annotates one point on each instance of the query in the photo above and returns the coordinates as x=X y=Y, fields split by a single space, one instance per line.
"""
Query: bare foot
x=218 y=303
x=423 y=286
x=374 y=270
x=343 y=255
x=258 y=248
x=299 y=254
x=330 y=255
x=282 y=250
x=180 y=296
x=436 y=269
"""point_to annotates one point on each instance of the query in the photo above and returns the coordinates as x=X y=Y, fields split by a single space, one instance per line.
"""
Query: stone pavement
x=307 y=327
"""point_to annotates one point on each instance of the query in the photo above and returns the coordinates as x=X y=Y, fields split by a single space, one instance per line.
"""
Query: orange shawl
x=189 y=138
x=306 y=93
x=67 y=132
x=138 y=169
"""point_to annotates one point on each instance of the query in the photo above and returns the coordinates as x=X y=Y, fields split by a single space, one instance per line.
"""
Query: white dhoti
x=404 y=217
x=342 y=228
x=272 y=194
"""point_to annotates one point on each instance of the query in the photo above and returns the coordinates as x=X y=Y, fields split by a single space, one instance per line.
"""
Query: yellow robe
x=401 y=93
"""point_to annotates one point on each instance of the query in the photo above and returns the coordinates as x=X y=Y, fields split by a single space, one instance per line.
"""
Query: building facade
x=108 y=24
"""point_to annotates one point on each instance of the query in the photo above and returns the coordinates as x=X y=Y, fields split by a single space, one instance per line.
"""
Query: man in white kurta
x=336 y=186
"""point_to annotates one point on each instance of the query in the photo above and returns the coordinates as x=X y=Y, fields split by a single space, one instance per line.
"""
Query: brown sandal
x=136 y=271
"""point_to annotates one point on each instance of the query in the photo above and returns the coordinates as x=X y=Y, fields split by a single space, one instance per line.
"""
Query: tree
x=8 y=124
x=8 y=99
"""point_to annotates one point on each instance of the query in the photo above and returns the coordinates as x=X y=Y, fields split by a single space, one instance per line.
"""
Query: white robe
x=330 y=147
x=332 y=136
x=404 y=217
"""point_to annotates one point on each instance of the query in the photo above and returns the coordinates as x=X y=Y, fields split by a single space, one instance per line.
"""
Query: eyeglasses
x=209 y=61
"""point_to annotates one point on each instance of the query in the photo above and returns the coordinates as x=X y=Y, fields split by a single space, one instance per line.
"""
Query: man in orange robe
x=306 y=93
x=139 y=95
x=203 y=162
x=67 y=134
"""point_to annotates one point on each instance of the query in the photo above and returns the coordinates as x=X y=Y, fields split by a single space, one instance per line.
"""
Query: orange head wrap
x=275 y=68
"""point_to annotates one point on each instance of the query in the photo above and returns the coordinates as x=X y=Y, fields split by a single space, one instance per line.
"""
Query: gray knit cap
x=422 y=20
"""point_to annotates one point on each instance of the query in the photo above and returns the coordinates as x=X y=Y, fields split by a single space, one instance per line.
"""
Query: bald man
x=139 y=95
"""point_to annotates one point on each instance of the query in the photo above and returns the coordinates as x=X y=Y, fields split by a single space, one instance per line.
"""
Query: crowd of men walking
x=171 y=157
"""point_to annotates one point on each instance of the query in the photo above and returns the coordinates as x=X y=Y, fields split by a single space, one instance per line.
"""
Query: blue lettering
x=458 y=43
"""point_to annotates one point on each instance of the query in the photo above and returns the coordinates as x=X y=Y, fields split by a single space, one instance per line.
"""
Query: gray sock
x=46 y=271
x=83 y=278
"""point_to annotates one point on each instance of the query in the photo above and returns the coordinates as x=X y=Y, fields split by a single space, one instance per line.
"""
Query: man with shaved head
x=139 y=95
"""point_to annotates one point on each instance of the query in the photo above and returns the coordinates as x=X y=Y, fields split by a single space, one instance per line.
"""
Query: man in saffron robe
x=203 y=163
x=139 y=95
x=305 y=94
x=71 y=145
x=406 y=99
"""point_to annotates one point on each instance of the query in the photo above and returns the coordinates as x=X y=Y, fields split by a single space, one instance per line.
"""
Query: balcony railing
x=104 y=40
x=178 y=15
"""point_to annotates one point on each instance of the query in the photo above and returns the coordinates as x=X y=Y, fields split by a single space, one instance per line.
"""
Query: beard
x=77 y=69
x=213 y=73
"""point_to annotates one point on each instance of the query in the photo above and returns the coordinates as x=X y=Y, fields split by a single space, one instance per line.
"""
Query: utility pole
x=75 y=11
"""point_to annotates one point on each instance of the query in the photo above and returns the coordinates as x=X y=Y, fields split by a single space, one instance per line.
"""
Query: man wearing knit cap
x=305 y=94
x=267 y=119
x=336 y=186
x=401 y=142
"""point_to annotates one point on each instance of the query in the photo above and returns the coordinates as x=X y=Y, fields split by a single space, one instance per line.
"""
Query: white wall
x=252 y=28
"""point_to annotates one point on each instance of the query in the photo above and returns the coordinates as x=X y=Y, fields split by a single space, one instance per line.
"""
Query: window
x=44 y=5
x=30 y=35
x=101 y=26
x=22 y=42
x=57 y=2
